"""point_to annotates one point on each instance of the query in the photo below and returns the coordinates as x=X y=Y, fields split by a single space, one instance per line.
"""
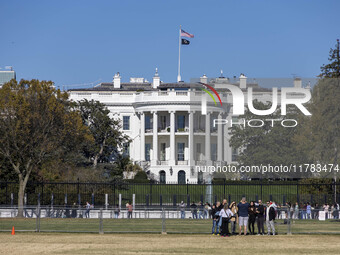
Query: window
x=180 y=122
x=181 y=177
x=163 y=122
x=126 y=122
x=198 y=151
x=235 y=119
x=147 y=151
x=148 y=122
x=162 y=177
x=163 y=156
x=201 y=122
x=180 y=151
x=213 y=151
x=126 y=149
x=234 y=155
x=200 y=177
x=212 y=128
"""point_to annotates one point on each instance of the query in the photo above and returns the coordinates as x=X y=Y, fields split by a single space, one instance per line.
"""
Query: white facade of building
x=169 y=135
x=6 y=75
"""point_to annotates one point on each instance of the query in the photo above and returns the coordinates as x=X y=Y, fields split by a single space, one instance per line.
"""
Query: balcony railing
x=182 y=162
x=163 y=162
x=199 y=130
x=181 y=93
x=185 y=129
x=163 y=93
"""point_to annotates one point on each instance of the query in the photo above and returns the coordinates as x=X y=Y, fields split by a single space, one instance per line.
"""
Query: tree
x=321 y=131
x=108 y=137
x=332 y=70
x=37 y=123
x=270 y=144
x=323 y=126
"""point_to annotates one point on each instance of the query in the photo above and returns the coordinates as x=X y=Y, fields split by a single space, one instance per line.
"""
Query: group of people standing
x=308 y=211
x=245 y=215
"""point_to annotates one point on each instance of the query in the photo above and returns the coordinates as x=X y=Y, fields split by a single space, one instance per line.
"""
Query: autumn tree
x=37 y=123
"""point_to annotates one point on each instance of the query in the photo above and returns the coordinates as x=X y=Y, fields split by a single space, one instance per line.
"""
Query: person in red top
x=129 y=207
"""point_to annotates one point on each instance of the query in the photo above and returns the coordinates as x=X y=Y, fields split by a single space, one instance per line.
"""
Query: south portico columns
x=142 y=136
x=155 y=138
x=172 y=159
x=219 y=140
x=207 y=140
x=191 y=139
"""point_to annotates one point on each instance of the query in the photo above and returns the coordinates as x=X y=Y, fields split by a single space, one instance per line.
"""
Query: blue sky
x=76 y=42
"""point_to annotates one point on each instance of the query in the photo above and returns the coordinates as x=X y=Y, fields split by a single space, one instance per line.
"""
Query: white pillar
x=207 y=139
x=219 y=140
x=155 y=138
x=227 y=149
x=172 y=160
x=191 y=139
x=142 y=136
x=107 y=201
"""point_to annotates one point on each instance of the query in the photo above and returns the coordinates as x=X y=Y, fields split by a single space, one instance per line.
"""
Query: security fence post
x=163 y=222
x=101 y=231
x=37 y=223
x=289 y=227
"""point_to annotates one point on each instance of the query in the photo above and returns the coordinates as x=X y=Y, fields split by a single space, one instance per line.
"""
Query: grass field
x=177 y=226
x=60 y=243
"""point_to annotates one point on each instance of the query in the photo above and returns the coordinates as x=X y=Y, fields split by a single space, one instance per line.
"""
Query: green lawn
x=186 y=226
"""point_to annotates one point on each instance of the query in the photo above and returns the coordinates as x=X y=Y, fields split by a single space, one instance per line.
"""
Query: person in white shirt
x=225 y=214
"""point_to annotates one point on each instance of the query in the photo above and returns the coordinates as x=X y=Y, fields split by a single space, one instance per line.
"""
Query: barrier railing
x=151 y=220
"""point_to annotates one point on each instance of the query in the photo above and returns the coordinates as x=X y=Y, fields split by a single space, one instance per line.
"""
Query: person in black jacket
x=252 y=217
x=260 y=218
x=193 y=207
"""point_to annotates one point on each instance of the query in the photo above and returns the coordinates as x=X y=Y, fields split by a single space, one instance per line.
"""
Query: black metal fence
x=154 y=194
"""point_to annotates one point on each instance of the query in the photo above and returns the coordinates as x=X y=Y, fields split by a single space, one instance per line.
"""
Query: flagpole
x=179 y=55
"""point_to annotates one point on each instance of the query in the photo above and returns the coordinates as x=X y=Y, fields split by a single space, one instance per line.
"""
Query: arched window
x=162 y=177
x=181 y=177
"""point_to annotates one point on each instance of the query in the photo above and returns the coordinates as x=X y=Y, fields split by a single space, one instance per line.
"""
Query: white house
x=170 y=134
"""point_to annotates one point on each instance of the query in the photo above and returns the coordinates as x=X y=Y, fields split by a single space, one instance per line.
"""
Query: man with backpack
x=270 y=217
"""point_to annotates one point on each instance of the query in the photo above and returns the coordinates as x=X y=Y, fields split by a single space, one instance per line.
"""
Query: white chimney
x=116 y=81
x=204 y=79
x=156 y=80
x=297 y=83
x=243 y=81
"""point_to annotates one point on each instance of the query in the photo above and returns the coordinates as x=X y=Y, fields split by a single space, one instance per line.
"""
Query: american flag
x=186 y=34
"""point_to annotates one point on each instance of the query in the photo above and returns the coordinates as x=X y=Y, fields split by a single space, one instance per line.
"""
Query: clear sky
x=75 y=42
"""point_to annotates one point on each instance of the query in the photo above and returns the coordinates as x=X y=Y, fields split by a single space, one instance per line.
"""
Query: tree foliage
x=37 y=123
x=332 y=69
x=108 y=137
x=321 y=134
x=270 y=144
